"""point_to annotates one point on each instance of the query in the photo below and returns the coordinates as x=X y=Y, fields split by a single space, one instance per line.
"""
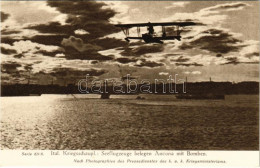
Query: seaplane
x=150 y=36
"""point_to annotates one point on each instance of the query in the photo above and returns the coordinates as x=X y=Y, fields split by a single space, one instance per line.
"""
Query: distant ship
x=200 y=96
x=105 y=95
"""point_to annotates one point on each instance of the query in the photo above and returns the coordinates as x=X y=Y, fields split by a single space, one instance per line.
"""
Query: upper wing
x=159 y=24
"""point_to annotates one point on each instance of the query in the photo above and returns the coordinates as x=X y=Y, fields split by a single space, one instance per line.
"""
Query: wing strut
x=138 y=31
x=178 y=31
x=163 y=31
x=126 y=31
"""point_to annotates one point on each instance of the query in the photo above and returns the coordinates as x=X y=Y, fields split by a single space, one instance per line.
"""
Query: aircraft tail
x=178 y=38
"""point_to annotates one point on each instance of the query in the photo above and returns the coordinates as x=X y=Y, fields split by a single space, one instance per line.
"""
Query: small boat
x=140 y=98
x=105 y=95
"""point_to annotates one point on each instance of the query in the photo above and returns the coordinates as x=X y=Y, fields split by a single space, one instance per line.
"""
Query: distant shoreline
x=225 y=88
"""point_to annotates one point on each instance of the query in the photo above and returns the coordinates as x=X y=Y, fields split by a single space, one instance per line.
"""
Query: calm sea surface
x=122 y=122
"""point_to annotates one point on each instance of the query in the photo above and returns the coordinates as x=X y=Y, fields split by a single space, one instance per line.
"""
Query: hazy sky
x=65 y=41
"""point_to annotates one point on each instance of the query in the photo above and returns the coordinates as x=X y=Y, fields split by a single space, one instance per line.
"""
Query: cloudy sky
x=64 y=41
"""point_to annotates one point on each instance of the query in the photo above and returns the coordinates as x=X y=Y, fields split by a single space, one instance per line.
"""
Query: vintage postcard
x=129 y=83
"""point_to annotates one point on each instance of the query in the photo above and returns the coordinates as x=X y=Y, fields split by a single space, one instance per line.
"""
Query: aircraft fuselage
x=150 y=39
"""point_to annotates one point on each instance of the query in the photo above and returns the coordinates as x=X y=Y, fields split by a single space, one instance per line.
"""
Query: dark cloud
x=189 y=37
x=9 y=67
x=94 y=62
x=235 y=61
x=19 y=55
x=185 y=46
x=75 y=48
x=219 y=55
x=48 y=53
x=8 y=32
x=137 y=43
x=141 y=50
x=188 y=64
x=41 y=39
x=65 y=31
x=70 y=72
x=120 y=48
x=253 y=54
x=239 y=62
x=7 y=51
x=28 y=67
x=232 y=60
x=150 y=64
x=87 y=15
x=109 y=43
x=72 y=53
x=4 y=16
x=54 y=28
x=125 y=60
x=48 y=39
x=181 y=59
x=214 y=40
x=148 y=49
x=41 y=73
x=8 y=40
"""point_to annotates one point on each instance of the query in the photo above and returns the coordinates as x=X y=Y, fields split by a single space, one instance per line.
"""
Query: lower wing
x=140 y=38
x=168 y=38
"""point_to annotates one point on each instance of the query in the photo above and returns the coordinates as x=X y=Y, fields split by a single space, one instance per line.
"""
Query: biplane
x=150 y=36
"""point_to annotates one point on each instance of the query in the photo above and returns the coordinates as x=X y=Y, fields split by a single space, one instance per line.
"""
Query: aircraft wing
x=158 y=38
x=158 y=24
x=168 y=38
x=137 y=38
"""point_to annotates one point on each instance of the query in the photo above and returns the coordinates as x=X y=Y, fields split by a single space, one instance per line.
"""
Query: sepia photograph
x=130 y=75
